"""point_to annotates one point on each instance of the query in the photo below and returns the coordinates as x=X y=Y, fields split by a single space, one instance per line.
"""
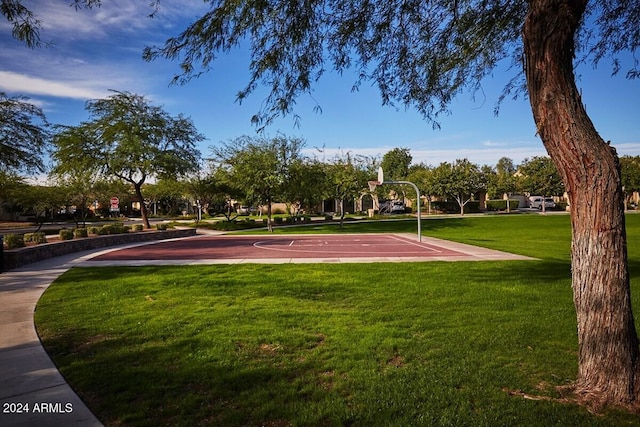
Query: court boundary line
x=467 y=253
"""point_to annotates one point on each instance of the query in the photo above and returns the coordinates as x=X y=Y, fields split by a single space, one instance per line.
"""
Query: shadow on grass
x=192 y=386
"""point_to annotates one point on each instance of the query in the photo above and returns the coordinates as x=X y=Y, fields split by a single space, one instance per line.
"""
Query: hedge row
x=14 y=241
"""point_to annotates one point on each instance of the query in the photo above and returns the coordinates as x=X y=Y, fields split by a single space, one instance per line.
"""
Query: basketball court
x=326 y=248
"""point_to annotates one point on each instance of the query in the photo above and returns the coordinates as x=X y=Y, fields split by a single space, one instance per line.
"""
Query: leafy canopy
x=128 y=138
x=23 y=135
x=418 y=53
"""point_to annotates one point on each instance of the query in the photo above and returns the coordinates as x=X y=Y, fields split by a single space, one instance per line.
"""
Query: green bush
x=65 y=234
x=37 y=237
x=453 y=208
x=501 y=205
x=561 y=206
x=107 y=229
x=94 y=230
x=14 y=241
x=161 y=227
x=138 y=227
x=80 y=232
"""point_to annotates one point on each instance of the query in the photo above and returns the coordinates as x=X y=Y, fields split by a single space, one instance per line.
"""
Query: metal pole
x=415 y=187
x=1 y=253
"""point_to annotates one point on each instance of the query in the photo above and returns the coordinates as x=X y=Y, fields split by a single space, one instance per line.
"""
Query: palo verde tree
x=347 y=177
x=540 y=176
x=423 y=54
x=128 y=138
x=630 y=166
x=260 y=166
x=395 y=164
x=23 y=135
x=459 y=180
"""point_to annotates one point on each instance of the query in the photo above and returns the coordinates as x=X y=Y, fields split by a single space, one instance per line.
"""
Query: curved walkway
x=33 y=393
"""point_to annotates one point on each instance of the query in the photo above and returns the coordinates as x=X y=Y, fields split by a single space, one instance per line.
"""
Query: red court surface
x=296 y=248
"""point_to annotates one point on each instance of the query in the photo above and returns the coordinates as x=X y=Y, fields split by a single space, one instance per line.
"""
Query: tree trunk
x=143 y=209
x=608 y=372
x=269 y=222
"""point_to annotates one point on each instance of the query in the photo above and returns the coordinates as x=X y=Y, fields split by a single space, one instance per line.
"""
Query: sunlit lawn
x=413 y=344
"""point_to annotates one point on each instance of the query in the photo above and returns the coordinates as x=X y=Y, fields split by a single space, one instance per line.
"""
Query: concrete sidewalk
x=32 y=391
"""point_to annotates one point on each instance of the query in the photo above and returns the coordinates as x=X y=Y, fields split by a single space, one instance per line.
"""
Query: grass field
x=413 y=344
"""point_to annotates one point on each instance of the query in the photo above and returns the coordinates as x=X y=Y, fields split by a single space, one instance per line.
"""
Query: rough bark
x=608 y=372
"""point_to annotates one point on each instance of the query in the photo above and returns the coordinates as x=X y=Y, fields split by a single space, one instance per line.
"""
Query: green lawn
x=432 y=343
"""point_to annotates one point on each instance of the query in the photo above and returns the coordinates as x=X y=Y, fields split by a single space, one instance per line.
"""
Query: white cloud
x=23 y=84
x=481 y=156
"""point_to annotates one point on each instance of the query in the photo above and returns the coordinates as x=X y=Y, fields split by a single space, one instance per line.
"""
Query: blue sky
x=96 y=50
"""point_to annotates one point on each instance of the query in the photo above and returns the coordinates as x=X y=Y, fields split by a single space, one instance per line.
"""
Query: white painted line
x=415 y=244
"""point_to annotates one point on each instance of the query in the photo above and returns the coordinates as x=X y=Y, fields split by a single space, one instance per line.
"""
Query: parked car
x=244 y=210
x=397 y=207
x=535 y=202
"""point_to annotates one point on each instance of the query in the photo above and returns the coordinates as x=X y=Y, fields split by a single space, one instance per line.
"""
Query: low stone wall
x=15 y=258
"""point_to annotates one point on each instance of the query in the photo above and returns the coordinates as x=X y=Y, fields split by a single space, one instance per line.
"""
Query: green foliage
x=459 y=180
x=65 y=234
x=630 y=169
x=116 y=228
x=452 y=207
x=261 y=167
x=161 y=226
x=138 y=227
x=14 y=241
x=80 y=232
x=23 y=134
x=38 y=237
x=129 y=139
x=539 y=175
x=501 y=205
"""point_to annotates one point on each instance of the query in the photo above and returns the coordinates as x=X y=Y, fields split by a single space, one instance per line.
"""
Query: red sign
x=114 y=202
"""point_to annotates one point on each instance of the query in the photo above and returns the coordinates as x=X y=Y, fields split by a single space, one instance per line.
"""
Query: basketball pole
x=381 y=181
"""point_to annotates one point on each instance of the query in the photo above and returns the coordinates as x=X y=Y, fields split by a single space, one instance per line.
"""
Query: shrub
x=65 y=234
x=453 y=208
x=14 y=241
x=80 y=232
x=561 y=206
x=161 y=227
x=138 y=227
x=94 y=230
x=37 y=238
x=328 y=217
x=500 y=205
x=107 y=229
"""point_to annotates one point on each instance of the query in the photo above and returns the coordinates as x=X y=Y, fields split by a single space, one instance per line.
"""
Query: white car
x=535 y=202
x=397 y=207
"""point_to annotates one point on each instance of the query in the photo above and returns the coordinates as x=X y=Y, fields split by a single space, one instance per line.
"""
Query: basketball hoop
x=373 y=185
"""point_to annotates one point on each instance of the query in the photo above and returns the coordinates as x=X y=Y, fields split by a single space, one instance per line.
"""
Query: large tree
x=23 y=135
x=260 y=166
x=423 y=54
x=460 y=180
x=539 y=175
x=130 y=139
